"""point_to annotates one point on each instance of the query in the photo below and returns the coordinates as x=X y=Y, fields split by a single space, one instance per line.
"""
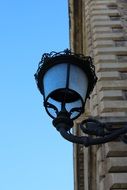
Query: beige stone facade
x=98 y=28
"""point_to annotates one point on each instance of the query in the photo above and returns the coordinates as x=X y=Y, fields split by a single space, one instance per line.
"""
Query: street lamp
x=65 y=80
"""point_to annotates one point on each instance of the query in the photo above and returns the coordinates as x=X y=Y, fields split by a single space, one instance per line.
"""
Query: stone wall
x=107 y=44
x=98 y=28
x=112 y=166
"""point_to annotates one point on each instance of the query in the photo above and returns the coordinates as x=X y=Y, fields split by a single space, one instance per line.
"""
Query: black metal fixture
x=65 y=80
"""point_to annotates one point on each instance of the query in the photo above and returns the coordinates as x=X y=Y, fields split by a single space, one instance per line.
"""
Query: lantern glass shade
x=78 y=81
x=65 y=85
x=55 y=78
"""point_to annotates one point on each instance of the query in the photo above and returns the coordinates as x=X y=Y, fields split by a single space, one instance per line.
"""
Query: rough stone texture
x=102 y=43
x=113 y=75
x=99 y=59
x=111 y=106
x=98 y=28
x=106 y=12
x=100 y=2
x=116 y=164
x=111 y=50
x=116 y=149
x=112 y=67
x=111 y=95
x=109 y=23
x=108 y=36
x=115 y=181
x=114 y=85
x=122 y=7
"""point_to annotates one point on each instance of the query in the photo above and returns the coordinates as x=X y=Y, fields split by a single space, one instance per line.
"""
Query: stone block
x=94 y=91
x=100 y=185
x=103 y=43
x=114 y=85
x=111 y=50
x=108 y=36
x=104 y=2
x=100 y=162
x=110 y=95
x=110 y=75
x=101 y=170
x=98 y=18
x=115 y=149
x=114 y=23
x=115 y=181
x=99 y=30
x=94 y=111
x=100 y=12
x=109 y=66
x=98 y=7
x=114 y=114
x=99 y=154
x=113 y=106
x=104 y=58
x=94 y=101
x=116 y=164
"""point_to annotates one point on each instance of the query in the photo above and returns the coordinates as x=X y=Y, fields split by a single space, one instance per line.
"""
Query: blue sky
x=33 y=156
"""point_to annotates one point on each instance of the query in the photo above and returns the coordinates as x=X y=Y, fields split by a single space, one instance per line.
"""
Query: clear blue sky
x=33 y=156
